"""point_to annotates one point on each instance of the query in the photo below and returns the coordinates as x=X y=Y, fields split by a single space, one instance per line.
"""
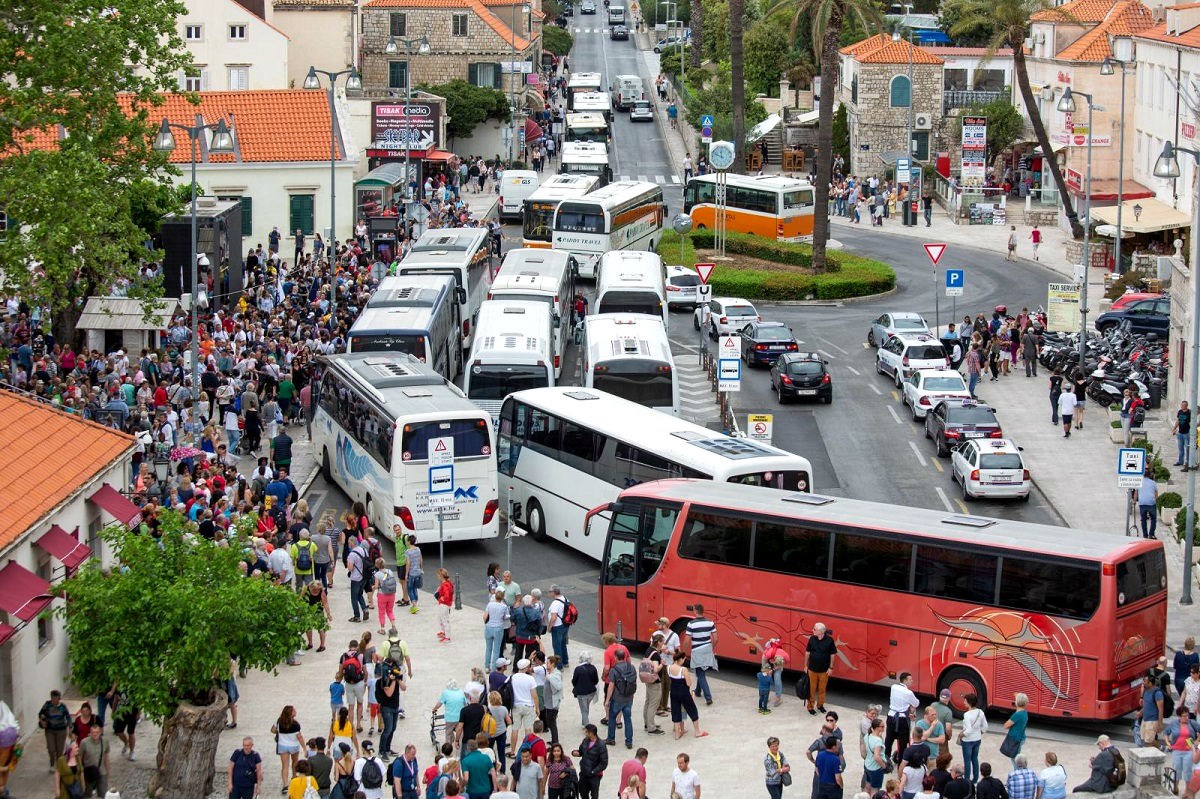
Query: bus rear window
x=411 y=345
x=1141 y=577
x=470 y=438
x=784 y=480
x=579 y=221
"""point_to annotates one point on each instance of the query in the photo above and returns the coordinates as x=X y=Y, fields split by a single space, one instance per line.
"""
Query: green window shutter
x=300 y=215
x=473 y=74
x=901 y=92
x=247 y=216
x=497 y=78
x=397 y=74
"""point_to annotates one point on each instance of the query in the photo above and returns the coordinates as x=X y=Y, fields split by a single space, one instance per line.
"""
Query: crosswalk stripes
x=662 y=180
x=696 y=400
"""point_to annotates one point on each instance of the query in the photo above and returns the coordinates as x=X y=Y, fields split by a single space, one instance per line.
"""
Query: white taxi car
x=905 y=353
x=927 y=387
x=724 y=316
x=990 y=468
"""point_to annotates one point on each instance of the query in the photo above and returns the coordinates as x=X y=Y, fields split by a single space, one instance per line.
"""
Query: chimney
x=1182 y=18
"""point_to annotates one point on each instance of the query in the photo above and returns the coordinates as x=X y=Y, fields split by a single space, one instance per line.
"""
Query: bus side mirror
x=462 y=295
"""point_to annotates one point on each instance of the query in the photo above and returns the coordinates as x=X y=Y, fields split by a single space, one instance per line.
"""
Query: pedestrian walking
x=55 y=720
x=1080 y=384
x=685 y=781
x=1147 y=502
x=927 y=204
x=621 y=687
x=1035 y=236
x=1012 y=244
x=593 y=761
x=702 y=632
x=244 y=776
x=818 y=664
x=1056 y=390
x=414 y=564
x=1182 y=430
x=974 y=362
x=584 y=681
x=445 y=601
x=777 y=768
x=288 y=742
x=1029 y=351
x=1067 y=406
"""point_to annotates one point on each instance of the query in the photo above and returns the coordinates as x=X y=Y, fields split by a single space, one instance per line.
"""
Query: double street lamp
x=353 y=83
x=512 y=71
x=1109 y=67
x=1066 y=104
x=1167 y=166
x=393 y=47
x=220 y=144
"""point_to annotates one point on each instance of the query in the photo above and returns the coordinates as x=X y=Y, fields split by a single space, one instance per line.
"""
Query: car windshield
x=969 y=415
x=804 y=368
x=926 y=352
x=774 y=334
x=908 y=324
x=739 y=310
x=1000 y=460
x=944 y=384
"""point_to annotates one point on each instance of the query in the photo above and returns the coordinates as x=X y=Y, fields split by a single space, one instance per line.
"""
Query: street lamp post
x=1066 y=105
x=221 y=143
x=393 y=46
x=1108 y=68
x=353 y=83
x=1167 y=166
x=512 y=84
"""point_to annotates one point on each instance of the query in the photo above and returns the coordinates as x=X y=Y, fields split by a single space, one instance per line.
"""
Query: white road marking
x=826 y=354
x=866 y=345
x=895 y=415
x=674 y=178
x=855 y=371
x=642 y=178
x=875 y=389
x=836 y=347
x=659 y=179
x=945 y=500
x=917 y=452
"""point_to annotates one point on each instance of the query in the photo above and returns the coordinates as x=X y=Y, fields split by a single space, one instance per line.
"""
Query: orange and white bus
x=1071 y=618
x=769 y=206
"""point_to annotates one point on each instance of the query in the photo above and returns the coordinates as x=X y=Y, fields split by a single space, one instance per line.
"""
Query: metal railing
x=969 y=98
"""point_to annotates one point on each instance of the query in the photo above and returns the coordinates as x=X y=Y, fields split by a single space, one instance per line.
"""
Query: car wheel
x=943 y=451
x=1026 y=497
x=896 y=377
x=879 y=366
x=966 y=494
x=871 y=337
x=829 y=397
x=913 y=407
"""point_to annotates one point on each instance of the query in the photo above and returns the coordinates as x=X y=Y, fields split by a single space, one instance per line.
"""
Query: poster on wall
x=974 y=152
x=397 y=127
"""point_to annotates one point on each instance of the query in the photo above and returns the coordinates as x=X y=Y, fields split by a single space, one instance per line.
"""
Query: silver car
x=724 y=316
x=683 y=287
x=887 y=325
x=642 y=111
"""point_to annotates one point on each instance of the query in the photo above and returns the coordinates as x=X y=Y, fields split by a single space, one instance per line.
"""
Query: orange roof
x=289 y=4
x=46 y=455
x=1126 y=18
x=1086 y=11
x=271 y=125
x=1158 y=33
x=966 y=52
x=494 y=22
x=882 y=49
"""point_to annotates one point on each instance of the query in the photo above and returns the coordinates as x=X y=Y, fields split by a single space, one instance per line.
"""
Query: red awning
x=437 y=155
x=22 y=593
x=111 y=502
x=6 y=631
x=533 y=130
x=65 y=546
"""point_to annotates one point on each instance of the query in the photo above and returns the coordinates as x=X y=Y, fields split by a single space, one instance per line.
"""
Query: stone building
x=876 y=91
x=487 y=42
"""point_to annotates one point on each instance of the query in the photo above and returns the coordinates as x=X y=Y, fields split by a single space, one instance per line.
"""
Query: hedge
x=849 y=276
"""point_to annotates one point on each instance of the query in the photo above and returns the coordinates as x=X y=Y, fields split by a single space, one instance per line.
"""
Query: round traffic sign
x=760 y=428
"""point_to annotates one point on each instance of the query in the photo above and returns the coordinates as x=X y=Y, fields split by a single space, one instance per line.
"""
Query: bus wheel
x=962 y=681
x=535 y=520
x=326 y=471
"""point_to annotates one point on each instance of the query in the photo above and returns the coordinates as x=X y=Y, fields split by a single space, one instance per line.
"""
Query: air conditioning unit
x=922 y=121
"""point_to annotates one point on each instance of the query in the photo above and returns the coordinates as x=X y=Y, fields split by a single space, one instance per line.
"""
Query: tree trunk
x=697 y=26
x=737 y=75
x=187 y=750
x=1039 y=130
x=829 y=85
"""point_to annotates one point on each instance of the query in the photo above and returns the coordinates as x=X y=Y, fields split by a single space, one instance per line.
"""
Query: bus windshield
x=470 y=438
x=496 y=382
x=411 y=344
x=592 y=133
x=646 y=302
x=640 y=382
x=539 y=221
x=580 y=221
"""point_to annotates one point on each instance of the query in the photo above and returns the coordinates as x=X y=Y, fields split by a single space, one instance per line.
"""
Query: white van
x=515 y=188
x=513 y=350
x=631 y=281
x=626 y=90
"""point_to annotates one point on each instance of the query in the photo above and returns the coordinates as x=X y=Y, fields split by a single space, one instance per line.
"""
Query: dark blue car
x=764 y=342
x=1145 y=316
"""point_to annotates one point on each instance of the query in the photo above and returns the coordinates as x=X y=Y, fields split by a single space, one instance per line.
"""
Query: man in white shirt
x=559 y=631
x=525 y=709
x=368 y=755
x=685 y=781
x=901 y=704
x=280 y=564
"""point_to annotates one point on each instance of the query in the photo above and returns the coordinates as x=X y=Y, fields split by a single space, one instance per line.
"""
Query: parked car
x=954 y=420
x=683 y=286
x=1143 y=316
x=797 y=375
x=889 y=324
x=763 y=342
x=642 y=111
x=991 y=469
x=905 y=353
x=668 y=43
x=927 y=387
x=619 y=32
x=724 y=316
x=1133 y=296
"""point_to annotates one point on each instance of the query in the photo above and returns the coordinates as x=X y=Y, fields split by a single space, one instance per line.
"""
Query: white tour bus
x=466 y=254
x=376 y=416
x=568 y=450
x=588 y=127
x=589 y=159
x=544 y=276
x=631 y=281
x=629 y=355
x=626 y=215
x=516 y=186
x=413 y=314
x=593 y=102
x=538 y=221
x=582 y=82
x=513 y=351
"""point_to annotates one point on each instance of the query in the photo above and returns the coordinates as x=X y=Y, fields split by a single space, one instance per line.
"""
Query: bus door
x=638 y=538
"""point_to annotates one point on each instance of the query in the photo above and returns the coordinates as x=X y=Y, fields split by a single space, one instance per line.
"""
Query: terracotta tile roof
x=491 y=20
x=45 y=456
x=271 y=125
x=1126 y=18
x=290 y=4
x=1159 y=33
x=881 y=49
x=965 y=52
x=1085 y=11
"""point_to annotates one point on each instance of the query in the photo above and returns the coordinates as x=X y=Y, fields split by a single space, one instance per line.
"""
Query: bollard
x=457 y=591
x=620 y=630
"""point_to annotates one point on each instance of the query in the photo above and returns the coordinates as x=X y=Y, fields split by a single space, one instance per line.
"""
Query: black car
x=955 y=420
x=801 y=374
x=763 y=342
x=1143 y=316
x=619 y=32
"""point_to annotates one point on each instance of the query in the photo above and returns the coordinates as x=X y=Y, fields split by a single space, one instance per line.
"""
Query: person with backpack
x=304 y=559
x=374 y=553
x=527 y=623
x=619 y=694
x=1108 y=769
x=354 y=675
x=1151 y=715
x=356 y=566
x=560 y=616
x=386 y=585
x=369 y=771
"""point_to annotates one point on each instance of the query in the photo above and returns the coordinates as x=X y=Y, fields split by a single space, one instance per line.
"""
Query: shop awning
x=533 y=131
x=1106 y=191
x=1153 y=217
x=111 y=502
x=437 y=155
x=65 y=547
x=22 y=593
x=6 y=631
x=1057 y=148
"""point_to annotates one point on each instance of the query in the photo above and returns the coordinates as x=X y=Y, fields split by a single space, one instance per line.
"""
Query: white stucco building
x=232 y=48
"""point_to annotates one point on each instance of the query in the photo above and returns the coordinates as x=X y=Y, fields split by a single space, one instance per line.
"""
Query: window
x=458 y=25
x=237 y=33
x=239 y=78
x=621 y=566
x=195 y=78
x=920 y=145
x=470 y=438
x=956 y=574
x=193 y=33
x=247 y=211
x=715 y=538
x=1050 y=587
x=658 y=522
x=792 y=550
x=901 y=92
x=542 y=430
x=300 y=213
x=45 y=629
x=854 y=90
x=877 y=562
x=1140 y=577
x=580 y=447
x=397 y=74
x=398 y=23
x=484 y=74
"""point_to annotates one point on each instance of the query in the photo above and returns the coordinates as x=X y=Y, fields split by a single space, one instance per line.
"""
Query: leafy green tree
x=767 y=56
x=67 y=67
x=716 y=32
x=697 y=17
x=164 y=626
x=468 y=105
x=737 y=79
x=716 y=97
x=976 y=33
x=1010 y=19
x=556 y=40
x=841 y=134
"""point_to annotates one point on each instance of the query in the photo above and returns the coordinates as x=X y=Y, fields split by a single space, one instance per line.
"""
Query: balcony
x=970 y=98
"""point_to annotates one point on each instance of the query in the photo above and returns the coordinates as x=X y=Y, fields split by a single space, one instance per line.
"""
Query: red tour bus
x=973 y=604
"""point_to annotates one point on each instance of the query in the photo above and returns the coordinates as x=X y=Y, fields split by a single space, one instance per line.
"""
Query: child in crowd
x=337 y=694
x=766 y=678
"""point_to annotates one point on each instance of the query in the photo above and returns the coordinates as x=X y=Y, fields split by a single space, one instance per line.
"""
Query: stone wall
x=874 y=122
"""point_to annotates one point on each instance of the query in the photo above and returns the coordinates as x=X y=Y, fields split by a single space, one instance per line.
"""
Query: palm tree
x=737 y=77
x=827 y=17
x=1010 y=19
x=697 y=25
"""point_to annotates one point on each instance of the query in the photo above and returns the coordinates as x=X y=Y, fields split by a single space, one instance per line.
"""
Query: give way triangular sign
x=705 y=271
x=934 y=251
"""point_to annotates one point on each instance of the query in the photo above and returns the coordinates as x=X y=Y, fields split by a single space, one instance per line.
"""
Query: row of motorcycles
x=1113 y=361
